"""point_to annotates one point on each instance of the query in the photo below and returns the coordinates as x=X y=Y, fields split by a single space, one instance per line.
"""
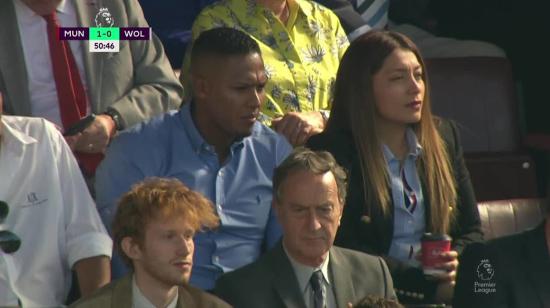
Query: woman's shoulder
x=339 y=143
x=448 y=130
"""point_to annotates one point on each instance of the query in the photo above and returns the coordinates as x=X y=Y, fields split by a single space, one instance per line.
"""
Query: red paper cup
x=432 y=247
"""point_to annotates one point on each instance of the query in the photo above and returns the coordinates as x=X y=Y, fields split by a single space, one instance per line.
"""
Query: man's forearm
x=92 y=273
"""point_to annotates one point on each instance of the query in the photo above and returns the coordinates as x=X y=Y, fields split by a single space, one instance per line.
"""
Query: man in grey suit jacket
x=305 y=270
x=126 y=87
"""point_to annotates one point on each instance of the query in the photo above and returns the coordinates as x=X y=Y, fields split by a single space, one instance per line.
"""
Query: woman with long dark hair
x=407 y=171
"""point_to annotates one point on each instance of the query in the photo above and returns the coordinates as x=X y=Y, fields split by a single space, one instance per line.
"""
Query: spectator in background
x=153 y=230
x=302 y=43
x=408 y=174
x=44 y=202
x=215 y=146
x=65 y=82
x=305 y=269
x=375 y=15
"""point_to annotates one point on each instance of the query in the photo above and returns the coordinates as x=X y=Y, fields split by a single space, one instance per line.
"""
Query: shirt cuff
x=89 y=245
x=358 y=32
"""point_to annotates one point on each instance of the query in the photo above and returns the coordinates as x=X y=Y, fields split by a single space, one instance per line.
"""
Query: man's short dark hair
x=317 y=162
x=223 y=42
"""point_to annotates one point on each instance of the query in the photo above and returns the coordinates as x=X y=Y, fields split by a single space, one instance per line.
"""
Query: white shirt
x=36 y=51
x=140 y=301
x=303 y=274
x=50 y=209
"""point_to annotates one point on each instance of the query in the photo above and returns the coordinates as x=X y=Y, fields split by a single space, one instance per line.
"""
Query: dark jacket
x=365 y=228
x=513 y=271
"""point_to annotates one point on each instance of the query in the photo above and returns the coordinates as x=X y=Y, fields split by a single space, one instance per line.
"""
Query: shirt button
x=216 y=259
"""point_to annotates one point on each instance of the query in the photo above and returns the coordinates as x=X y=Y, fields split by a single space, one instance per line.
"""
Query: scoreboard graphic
x=104 y=39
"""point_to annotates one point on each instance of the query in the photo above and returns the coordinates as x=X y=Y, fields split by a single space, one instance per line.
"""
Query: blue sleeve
x=115 y=176
x=273 y=228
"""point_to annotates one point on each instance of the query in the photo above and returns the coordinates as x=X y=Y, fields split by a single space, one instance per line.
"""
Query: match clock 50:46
x=104 y=39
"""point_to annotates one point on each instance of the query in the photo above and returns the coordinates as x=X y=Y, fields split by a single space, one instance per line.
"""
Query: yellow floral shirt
x=301 y=58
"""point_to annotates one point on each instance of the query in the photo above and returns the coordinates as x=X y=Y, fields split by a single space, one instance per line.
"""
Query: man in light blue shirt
x=215 y=146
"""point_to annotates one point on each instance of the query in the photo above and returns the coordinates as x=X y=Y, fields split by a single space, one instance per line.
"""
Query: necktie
x=317 y=286
x=408 y=194
x=70 y=90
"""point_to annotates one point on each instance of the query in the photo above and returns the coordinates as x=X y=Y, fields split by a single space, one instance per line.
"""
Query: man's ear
x=130 y=248
x=200 y=86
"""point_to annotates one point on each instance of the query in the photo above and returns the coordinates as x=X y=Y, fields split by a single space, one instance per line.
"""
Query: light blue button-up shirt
x=240 y=189
x=408 y=227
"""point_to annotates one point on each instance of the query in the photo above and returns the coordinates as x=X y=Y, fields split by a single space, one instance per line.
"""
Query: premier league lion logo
x=485 y=270
x=103 y=18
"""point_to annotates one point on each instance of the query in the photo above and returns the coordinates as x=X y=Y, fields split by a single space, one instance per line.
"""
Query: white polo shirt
x=50 y=209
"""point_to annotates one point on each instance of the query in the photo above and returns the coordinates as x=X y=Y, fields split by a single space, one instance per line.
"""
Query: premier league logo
x=103 y=18
x=485 y=270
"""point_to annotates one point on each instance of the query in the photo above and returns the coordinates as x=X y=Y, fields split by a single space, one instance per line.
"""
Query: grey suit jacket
x=271 y=282
x=118 y=294
x=138 y=81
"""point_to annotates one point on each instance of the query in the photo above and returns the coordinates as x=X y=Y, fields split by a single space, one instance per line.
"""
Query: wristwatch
x=116 y=118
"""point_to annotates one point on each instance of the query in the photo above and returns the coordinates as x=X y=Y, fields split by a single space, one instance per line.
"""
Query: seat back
x=504 y=217
x=479 y=94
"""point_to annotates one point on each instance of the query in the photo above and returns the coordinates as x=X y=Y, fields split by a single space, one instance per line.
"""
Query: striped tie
x=408 y=194
x=374 y=12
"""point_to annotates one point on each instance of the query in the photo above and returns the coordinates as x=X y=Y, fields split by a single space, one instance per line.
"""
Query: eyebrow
x=404 y=70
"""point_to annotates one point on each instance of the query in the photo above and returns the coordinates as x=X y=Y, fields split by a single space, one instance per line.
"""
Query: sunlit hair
x=316 y=162
x=157 y=198
x=354 y=110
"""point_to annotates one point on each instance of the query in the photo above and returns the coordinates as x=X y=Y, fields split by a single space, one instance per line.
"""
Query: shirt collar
x=140 y=301
x=415 y=149
x=26 y=13
x=197 y=141
x=13 y=139
x=304 y=272
x=250 y=8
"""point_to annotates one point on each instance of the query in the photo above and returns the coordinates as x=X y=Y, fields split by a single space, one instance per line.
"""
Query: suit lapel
x=537 y=264
x=12 y=62
x=93 y=62
x=284 y=279
x=341 y=282
x=122 y=293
